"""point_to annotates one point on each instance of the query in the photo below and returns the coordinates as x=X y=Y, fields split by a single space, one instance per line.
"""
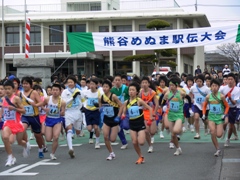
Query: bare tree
x=232 y=52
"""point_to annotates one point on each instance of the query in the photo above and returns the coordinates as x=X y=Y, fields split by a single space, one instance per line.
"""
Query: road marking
x=23 y=168
x=64 y=145
x=231 y=160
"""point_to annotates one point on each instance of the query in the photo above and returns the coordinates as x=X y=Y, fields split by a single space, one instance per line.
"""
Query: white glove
x=203 y=117
x=223 y=117
x=164 y=108
x=191 y=112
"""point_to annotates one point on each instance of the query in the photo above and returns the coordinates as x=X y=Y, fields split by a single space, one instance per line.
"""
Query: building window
x=142 y=27
x=12 y=36
x=103 y=28
x=78 y=6
x=35 y=35
x=122 y=28
x=56 y=35
x=185 y=68
x=95 y=6
x=76 y=28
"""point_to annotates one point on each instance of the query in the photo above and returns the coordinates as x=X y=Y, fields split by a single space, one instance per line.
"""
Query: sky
x=218 y=12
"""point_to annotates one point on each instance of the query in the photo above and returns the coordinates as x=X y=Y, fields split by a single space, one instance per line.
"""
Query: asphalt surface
x=196 y=163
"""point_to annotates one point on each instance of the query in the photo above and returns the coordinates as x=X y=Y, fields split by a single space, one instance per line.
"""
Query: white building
x=50 y=24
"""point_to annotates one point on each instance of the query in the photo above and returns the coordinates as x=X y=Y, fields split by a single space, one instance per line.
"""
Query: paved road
x=196 y=163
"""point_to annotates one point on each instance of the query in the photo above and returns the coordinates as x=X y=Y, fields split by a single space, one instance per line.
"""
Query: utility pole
x=196 y=6
x=3 y=40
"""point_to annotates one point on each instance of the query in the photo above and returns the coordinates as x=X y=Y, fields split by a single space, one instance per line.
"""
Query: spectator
x=226 y=70
x=213 y=71
x=198 y=71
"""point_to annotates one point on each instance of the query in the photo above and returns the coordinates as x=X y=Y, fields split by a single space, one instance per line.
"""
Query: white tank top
x=54 y=109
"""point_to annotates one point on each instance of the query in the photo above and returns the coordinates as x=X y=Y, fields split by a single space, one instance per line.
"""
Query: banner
x=148 y=40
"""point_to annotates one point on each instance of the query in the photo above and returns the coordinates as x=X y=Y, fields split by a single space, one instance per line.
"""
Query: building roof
x=108 y=15
x=216 y=58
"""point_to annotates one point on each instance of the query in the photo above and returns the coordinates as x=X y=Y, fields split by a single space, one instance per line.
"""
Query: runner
x=73 y=116
x=31 y=101
x=231 y=93
x=188 y=113
x=121 y=91
x=11 y=112
x=217 y=115
x=199 y=93
x=42 y=113
x=2 y=93
x=136 y=119
x=160 y=90
x=112 y=108
x=92 y=113
x=174 y=99
x=55 y=109
x=149 y=97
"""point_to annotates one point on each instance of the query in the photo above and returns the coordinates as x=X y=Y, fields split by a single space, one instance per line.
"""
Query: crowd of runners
x=112 y=105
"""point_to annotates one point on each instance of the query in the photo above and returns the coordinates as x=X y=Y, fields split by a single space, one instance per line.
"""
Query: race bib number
x=108 y=111
x=215 y=108
x=174 y=106
x=91 y=101
x=76 y=102
x=133 y=112
x=200 y=99
x=54 y=111
x=29 y=111
x=9 y=115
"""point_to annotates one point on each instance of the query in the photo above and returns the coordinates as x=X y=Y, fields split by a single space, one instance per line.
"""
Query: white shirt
x=226 y=71
x=234 y=94
x=182 y=84
x=76 y=104
x=89 y=95
x=198 y=97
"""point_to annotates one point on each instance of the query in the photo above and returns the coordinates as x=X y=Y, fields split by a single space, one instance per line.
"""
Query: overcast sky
x=219 y=12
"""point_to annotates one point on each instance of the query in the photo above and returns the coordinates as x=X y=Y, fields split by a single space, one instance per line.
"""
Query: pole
x=196 y=6
x=27 y=39
x=3 y=39
x=25 y=22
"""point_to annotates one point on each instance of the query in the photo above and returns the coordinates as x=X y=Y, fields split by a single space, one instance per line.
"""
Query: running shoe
x=171 y=145
x=184 y=129
x=227 y=142
x=217 y=153
x=197 y=136
x=82 y=134
x=53 y=157
x=45 y=149
x=178 y=152
x=206 y=132
x=91 y=141
x=71 y=153
x=111 y=156
x=124 y=146
x=40 y=155
x=32 y=137
x=10 y=161
x=161 y=135
x=26 y=151
x=234 y=138
x=140 y=160
x=150 y=149
x=97 y=146
x=192 y=128
x=152 y=140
